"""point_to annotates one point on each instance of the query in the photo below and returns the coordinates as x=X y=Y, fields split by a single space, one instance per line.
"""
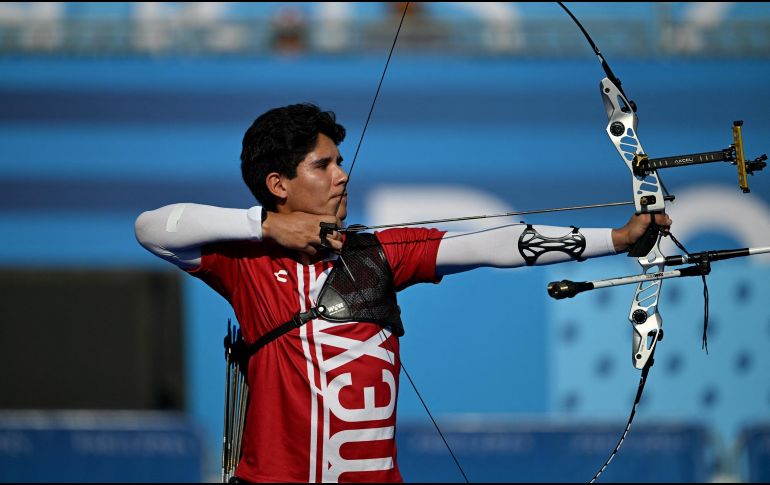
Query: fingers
x=335 y=244
x=303 y=232
x=330 y=239
x=663 y=220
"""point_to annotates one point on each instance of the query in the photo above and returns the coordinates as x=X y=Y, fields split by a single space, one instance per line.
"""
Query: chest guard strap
x=359 y=288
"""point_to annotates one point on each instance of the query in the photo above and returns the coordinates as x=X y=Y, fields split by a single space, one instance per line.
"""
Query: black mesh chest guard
x=359 y=288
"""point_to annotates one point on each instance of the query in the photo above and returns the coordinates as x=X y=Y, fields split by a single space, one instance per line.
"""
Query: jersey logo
x=280 y=275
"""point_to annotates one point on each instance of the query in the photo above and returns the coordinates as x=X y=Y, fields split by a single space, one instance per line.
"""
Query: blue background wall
x=87 y=144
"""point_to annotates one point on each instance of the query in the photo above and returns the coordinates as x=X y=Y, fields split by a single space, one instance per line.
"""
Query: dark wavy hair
x=279 y=140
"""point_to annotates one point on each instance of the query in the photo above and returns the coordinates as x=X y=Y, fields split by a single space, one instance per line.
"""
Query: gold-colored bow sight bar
x=644 y=165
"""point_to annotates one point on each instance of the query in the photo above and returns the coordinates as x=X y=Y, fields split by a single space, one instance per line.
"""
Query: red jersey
x=323 y=396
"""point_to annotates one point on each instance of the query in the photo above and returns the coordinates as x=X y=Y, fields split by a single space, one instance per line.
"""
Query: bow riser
x=645 y=319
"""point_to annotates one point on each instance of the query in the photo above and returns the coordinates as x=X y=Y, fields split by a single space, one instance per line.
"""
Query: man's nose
x=341 y=177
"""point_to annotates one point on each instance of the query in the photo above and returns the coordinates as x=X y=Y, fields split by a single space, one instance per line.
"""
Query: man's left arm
x=522 y=244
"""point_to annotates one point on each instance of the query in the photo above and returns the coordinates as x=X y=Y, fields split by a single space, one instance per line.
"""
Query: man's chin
x=342 y=211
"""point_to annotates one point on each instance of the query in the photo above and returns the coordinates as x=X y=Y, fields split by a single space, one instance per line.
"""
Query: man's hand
x=300 y=231
x=627 y=235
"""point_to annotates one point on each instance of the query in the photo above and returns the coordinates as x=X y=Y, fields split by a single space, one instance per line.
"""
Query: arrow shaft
x=358 y=228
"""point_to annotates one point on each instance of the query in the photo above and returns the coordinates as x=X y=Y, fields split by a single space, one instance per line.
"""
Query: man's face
x=319 y=183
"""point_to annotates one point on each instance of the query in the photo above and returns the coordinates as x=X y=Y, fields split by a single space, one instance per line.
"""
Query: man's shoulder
x=407 y=234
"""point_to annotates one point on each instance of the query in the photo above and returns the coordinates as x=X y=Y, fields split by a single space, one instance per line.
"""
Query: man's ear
x=275 y=184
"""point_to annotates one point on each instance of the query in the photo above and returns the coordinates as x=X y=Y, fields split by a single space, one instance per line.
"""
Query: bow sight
x=642 y=165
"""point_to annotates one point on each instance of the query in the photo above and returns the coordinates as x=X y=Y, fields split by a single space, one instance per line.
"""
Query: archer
x=318 y=308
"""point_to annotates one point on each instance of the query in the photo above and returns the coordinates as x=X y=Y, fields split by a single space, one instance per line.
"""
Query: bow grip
x=644 y=244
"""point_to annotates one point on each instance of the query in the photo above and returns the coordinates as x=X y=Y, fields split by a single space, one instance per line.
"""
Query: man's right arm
x=178 y=232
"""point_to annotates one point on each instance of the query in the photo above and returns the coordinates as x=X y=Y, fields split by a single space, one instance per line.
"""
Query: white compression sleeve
x=177 y=232
x=499 y=248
